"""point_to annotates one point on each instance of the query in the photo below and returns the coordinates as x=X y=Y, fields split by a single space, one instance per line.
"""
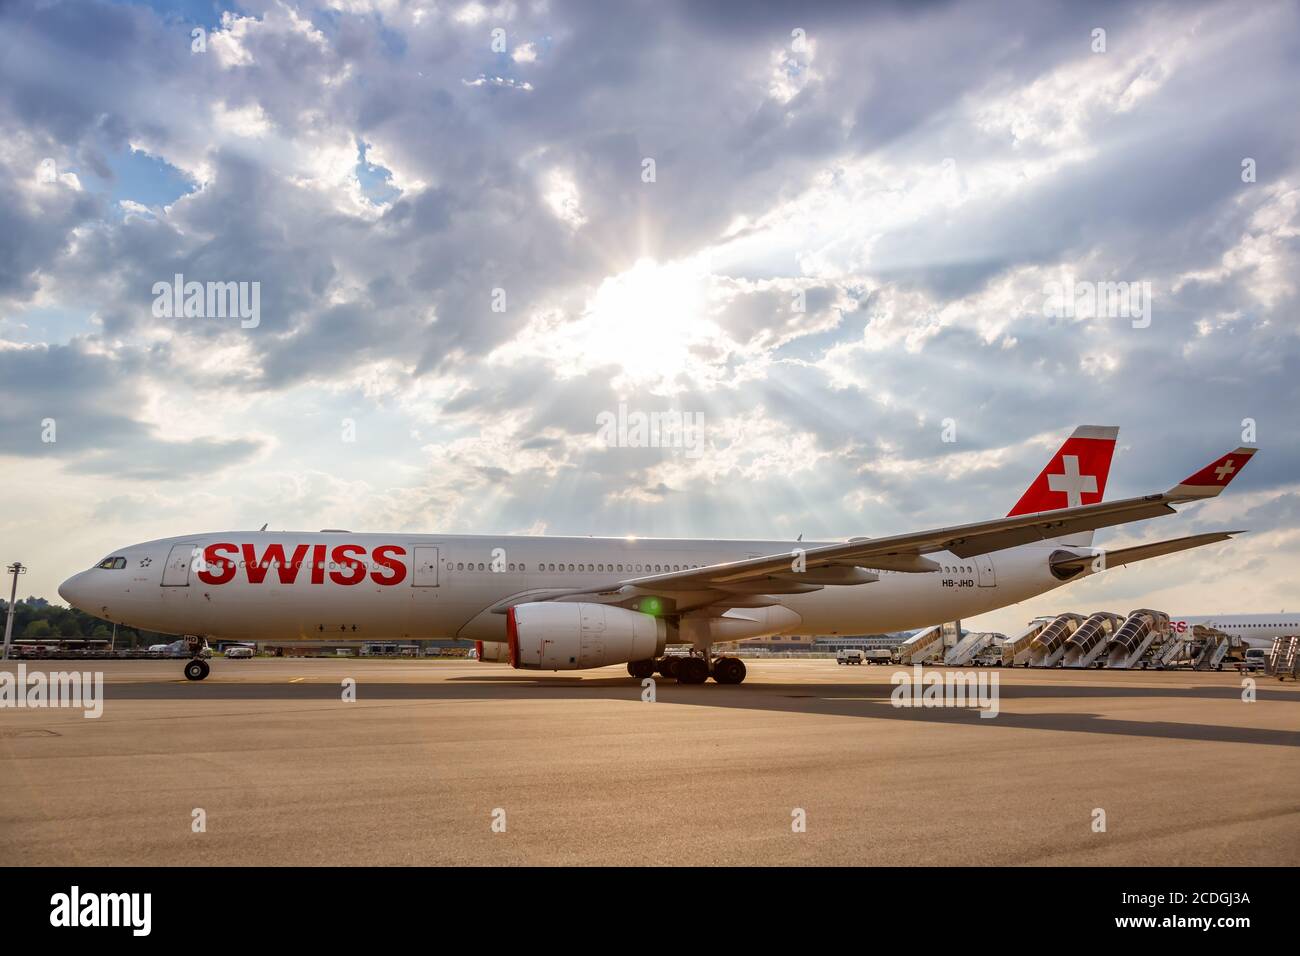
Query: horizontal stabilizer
x=1140 y=552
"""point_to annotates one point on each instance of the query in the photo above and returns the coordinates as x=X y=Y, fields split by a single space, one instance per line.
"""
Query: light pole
x=15 y=569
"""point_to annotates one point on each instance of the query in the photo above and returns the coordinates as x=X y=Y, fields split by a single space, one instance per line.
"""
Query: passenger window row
x=600 y=568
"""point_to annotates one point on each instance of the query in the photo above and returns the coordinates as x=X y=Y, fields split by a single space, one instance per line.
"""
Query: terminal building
x=865 y=642
x=802 y=644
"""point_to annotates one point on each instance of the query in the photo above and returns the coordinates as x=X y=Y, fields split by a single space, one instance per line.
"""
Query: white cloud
x=561 y=194
x=247 y=120
x=918 y=179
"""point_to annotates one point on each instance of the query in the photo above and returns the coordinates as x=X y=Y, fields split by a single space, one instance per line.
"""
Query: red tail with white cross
x=1075 y=476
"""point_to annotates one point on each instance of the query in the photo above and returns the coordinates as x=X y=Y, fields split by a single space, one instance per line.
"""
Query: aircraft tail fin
x=1075 y=475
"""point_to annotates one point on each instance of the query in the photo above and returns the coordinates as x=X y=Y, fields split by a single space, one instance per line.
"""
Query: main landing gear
x=197 y=668
x=641 y=669
x=691 y=670
x=729 y=670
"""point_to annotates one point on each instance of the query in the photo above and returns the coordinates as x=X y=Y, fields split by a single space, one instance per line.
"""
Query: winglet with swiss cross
x=1214 y=477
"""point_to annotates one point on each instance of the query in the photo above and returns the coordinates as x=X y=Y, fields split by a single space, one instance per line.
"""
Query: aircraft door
x=984 y=564
x=426 y=567
x=177 y=572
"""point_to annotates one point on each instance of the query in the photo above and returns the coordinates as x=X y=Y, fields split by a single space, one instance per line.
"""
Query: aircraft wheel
x=196 y=669
x=666 y=666
x=641 y=669
x=691 y=670
x=729 y=670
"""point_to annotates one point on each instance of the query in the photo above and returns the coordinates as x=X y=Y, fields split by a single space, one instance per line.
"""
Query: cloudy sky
x=823 y=230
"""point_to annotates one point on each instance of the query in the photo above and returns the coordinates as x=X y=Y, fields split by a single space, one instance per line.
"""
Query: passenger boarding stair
x=1046 y=649
x=967 y=649
x=1284 y=658
x=1212 y=652
x=1086 y=644
x=1169 y=653
x=922 y=646
x=1131 y=642
x=1015 y=650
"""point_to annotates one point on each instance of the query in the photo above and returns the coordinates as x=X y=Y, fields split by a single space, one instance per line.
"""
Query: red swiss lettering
x=396 y=563
x=342 y=557
x=218 y=570
x=273 y=556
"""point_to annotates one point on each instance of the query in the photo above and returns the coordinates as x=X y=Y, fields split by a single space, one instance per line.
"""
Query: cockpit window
x=113 y=564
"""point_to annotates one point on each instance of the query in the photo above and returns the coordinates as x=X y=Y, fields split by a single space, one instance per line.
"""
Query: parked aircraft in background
x=1252 y=630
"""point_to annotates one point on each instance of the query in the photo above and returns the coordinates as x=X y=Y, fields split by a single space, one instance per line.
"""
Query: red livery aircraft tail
x=1075 y=476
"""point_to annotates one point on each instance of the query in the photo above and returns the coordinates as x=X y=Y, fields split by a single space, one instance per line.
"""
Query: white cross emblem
x=1224 y=470
x=1071 y=482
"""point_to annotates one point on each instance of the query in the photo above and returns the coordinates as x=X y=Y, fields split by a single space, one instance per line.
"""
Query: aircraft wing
x=774 y=574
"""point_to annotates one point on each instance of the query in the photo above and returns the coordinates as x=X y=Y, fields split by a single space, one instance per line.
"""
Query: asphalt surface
x=434 y=757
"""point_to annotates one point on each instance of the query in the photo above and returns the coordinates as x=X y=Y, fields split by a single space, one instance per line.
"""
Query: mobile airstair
x=1130 y=643
x=1283 y=659
x=967 y=649
x=1169 y=654
x=1046 y=649
x=1090 y=638
x=1212 y=652
x=922 y=646
x=1015 y=650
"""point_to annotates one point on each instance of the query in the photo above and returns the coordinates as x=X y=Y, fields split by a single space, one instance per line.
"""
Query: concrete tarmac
x=581 y=770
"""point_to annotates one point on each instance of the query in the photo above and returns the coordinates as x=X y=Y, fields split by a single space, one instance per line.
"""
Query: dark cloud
x=79 y=406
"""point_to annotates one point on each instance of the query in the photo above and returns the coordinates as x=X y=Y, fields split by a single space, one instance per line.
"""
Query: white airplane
x=1251 y=630
x=564 y=603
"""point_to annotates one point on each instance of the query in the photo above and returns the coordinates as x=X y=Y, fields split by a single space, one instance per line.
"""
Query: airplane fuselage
x=331 y=586
x=1252 y=630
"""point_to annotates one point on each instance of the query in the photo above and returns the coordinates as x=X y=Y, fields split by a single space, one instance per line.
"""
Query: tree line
x=36 y=619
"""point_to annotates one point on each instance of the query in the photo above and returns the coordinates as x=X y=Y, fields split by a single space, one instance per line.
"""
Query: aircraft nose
x=74 y=590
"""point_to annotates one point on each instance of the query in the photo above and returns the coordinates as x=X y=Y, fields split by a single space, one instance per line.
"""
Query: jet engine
x=556 y=636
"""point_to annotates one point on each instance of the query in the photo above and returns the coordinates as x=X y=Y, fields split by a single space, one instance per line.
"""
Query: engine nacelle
x=555 y=636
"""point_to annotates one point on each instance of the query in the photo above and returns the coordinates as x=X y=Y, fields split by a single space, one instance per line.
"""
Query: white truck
x=1255 y=660
x=850 y=655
